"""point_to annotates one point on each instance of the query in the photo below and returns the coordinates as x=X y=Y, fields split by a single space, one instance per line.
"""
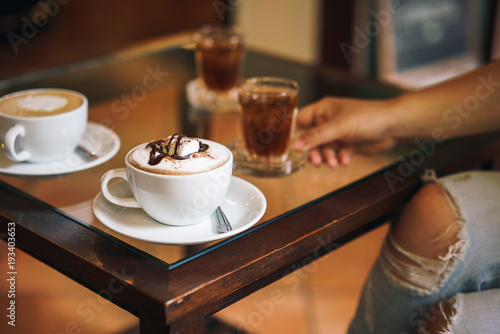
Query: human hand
x=338 y=127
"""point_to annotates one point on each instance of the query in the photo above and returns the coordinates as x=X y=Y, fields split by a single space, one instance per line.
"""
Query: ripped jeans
x=397 y=296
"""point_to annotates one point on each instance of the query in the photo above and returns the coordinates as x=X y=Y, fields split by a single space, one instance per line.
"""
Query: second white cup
x=42 y=125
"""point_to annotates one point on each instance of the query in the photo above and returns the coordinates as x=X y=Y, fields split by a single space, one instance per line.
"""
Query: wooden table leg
x=191 y=324
x=149 y=325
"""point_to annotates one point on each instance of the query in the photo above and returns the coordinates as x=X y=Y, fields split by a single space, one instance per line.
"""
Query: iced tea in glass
x=219 y=57
x=269 y=109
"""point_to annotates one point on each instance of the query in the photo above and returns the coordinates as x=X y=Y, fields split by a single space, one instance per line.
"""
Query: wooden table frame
x=177 y=298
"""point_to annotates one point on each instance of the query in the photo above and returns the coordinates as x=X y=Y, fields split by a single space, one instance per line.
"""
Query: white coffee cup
x=179 y=200
x=44 y=128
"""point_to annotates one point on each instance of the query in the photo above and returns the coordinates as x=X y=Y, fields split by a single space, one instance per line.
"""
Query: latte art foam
x=39 y=103
x=178 y=155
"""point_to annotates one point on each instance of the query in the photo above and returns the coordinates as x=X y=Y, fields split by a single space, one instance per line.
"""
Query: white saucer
x=97 y=138
x=244 y=205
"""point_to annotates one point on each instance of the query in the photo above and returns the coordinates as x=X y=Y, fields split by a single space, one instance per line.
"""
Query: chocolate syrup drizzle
x=160 y=149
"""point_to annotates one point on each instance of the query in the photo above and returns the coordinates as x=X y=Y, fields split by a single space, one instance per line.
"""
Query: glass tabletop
x=139 y=95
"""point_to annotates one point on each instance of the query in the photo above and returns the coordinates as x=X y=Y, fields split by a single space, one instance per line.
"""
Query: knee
x=428 y=224
x=428 y=228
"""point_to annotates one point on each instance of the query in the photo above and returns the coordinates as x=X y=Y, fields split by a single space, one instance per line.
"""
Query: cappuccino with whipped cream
x=176 y=180
x=178 y=155
x=39 y=103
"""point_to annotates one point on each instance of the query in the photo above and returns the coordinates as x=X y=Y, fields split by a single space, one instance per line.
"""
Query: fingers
x=318 y=120
x=321 y=135
x=331 y=156
x=335 y=128
x=306 y=116
x=317 y=136
x=327 y=155
x=323 y=154
x=344 y=155
x=315 y=157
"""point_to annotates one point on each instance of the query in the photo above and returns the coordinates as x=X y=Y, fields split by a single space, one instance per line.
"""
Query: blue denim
x=397 y=296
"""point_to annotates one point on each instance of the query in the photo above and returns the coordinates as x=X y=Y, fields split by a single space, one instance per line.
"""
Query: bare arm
x=466 y=105
x=336 y=127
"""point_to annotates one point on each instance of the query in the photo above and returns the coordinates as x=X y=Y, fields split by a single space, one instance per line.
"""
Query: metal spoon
x=86 y=154
x=222 y=223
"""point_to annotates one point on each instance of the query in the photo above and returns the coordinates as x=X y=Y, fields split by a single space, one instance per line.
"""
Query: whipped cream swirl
x=178 y=154
x=176 y=146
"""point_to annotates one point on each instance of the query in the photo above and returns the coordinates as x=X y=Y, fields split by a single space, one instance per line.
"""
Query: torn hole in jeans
x=455 y=306
x=422 y=275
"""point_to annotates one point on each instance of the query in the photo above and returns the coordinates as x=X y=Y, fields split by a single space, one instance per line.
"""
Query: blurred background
x=412 y=43
x=377 y=38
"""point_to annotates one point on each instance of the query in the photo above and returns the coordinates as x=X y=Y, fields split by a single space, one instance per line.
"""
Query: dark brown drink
x=268 y=114
x=219 y=57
